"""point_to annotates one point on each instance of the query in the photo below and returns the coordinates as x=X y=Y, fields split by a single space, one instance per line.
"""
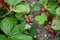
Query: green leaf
x=12 y=2
x=21 y=28
x=0 y=25
x=19 y=16
x=14 y=31
x=58 y=38
x=51 y=8
x=51 y=11
x=41 y=19
x=3 y=37
x=36 y=7
x=7 y=24
x=52 y=4
x=22 y=37
x=58 y=11
x=22 y=8
x=23 y=23
x=56 y=24
x=43 y=2
x=33 y=31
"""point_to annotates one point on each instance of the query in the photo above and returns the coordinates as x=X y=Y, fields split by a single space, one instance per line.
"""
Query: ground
x=42 y=33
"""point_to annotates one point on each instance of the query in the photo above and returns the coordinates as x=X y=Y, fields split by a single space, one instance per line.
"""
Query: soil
x=42 y=33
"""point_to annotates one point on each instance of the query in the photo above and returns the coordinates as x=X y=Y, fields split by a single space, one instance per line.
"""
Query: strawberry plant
x=41 y=19
x=16 y=18
x=14 y=21
x=52 y=7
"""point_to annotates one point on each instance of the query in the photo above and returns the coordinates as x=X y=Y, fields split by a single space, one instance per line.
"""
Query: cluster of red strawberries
x=48 y=25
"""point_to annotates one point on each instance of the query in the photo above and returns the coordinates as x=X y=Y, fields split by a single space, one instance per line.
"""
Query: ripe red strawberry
x=53 y=32
x=28 y=20
x=49 y=30
x=1 y=1
x=42 y=10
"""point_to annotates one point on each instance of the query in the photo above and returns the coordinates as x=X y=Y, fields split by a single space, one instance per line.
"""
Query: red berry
x=2 y=2
x=42 y=10
x=49 y=30
x=28 y=20
x=53 y=32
